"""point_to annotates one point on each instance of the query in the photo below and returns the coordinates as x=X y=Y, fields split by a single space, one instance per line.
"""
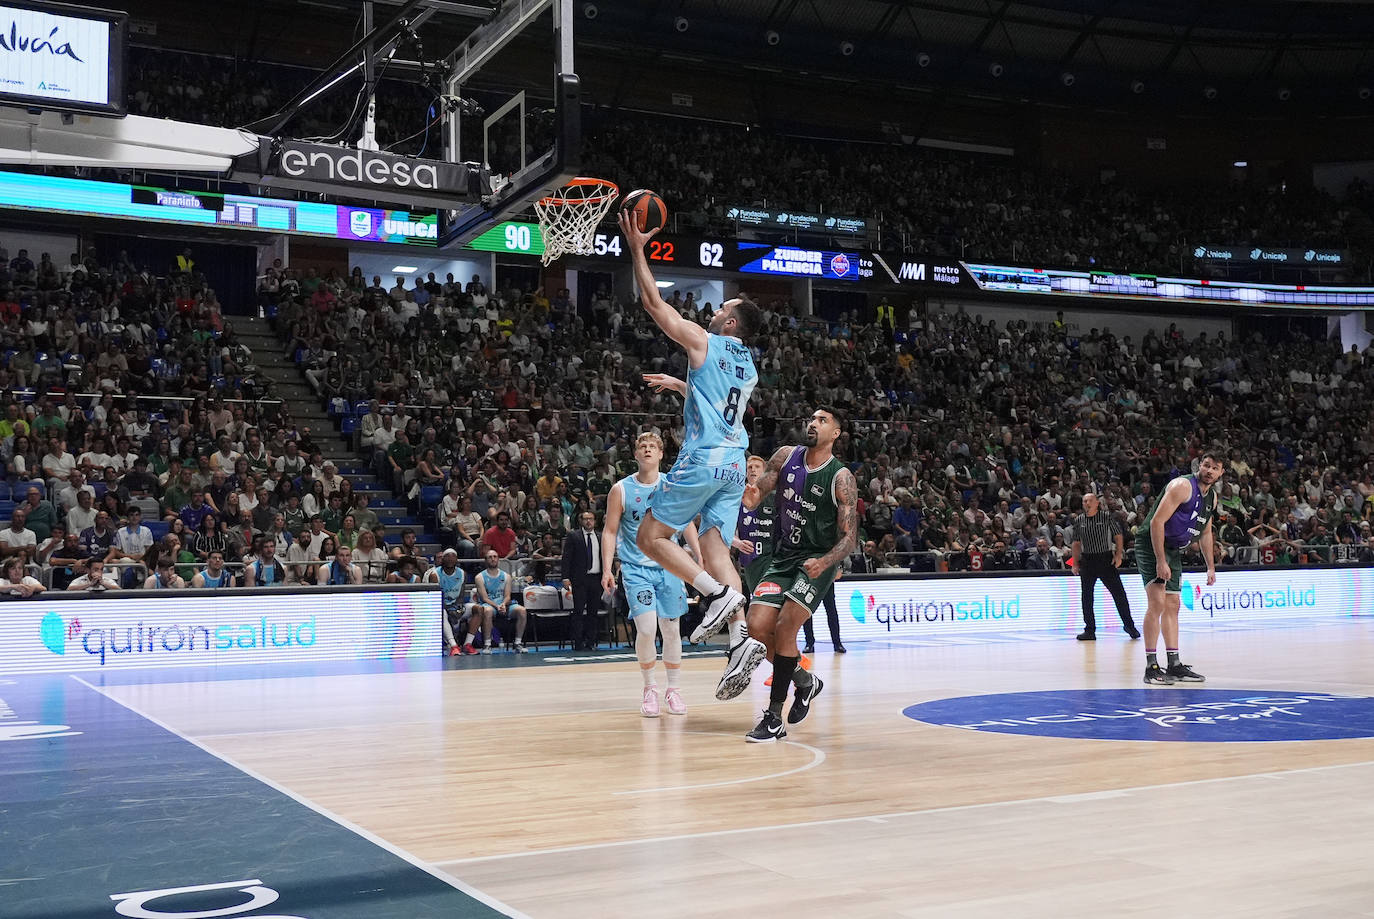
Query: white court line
x=817 y=757
x=433 y=870
x=1053 y=799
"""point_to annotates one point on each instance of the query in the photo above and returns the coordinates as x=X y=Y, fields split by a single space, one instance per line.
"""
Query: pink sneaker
x=673 y=699
x=649 y=708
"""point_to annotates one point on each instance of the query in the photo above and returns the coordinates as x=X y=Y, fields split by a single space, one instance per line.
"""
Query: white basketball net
x=569 y=219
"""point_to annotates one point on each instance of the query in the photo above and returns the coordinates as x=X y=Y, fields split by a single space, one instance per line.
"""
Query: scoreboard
x=677 y=251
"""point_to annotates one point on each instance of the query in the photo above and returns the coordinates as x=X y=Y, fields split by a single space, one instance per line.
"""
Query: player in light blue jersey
x=707 y=480
x=657 y=599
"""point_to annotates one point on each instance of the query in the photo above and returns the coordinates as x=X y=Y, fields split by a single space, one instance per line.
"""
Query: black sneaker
x=1182 y=673
x=1158 y=675
x=769 y=729
x=1087 y=636
x=1133 y=632
x=809 y=649
x=801 y=702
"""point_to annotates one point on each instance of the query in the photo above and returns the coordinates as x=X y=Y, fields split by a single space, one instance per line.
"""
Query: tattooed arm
x=847 y=499
x=753 y=494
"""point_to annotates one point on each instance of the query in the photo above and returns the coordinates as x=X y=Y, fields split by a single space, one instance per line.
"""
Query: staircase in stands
x=289 y=385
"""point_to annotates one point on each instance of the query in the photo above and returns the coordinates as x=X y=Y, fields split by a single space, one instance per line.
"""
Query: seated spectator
x=14 y=582
x=164 y=576
x=300 y=558
x=17 y=540
x=194 y=513
x=369 y=558
x=76 y=483
x=264 y=570
x=39 y=515
x=409 y=548
x=97 y=540
x=340 y=570
x=209 y=537
x=95 y=578
x=501 y=538
x=215 y=574
x=1042 y=559
x=133 y=540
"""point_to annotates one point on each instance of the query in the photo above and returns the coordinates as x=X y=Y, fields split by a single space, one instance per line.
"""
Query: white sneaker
x=720 y=607
x=673 y=700
x=744 y=659
x=520 y=648
x=486 y=649
x=649 y=707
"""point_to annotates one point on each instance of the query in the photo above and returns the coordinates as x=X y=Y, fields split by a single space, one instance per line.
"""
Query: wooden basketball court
x=542 y=787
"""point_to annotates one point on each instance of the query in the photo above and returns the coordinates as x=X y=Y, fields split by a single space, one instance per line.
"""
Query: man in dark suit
x=582 y=574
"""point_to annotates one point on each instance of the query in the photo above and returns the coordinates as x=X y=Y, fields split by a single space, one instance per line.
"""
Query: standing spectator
x=582 y=574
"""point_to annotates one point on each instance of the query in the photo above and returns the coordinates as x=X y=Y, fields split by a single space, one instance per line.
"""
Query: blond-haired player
x=656 y=598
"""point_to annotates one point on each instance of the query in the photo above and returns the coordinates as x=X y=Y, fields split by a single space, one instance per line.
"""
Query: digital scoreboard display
x=710 y=253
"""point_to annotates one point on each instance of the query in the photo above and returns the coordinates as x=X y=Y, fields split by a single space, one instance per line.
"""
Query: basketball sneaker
x=769 y=729
x=454 y=651
x=719 y=607
x=649 y=707
x=801 y=701
x=805 y=664
x=469 y=649
x=672 y=700
x=739 y=668
x=486 y=648
x=520 y=648
x=1157 y=674
x=1182 y=673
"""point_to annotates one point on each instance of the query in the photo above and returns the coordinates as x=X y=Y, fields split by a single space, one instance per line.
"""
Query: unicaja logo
x=14 y=42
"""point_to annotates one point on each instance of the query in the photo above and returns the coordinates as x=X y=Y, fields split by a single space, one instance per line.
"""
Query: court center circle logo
x=1178 y=715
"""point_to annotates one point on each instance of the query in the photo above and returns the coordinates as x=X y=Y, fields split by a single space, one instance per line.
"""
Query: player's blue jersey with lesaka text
x=717 y=393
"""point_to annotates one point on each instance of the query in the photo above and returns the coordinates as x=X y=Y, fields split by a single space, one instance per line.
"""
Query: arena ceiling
x=1222 y=57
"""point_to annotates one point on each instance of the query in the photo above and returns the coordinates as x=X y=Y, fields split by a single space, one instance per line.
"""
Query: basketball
x=649 y=210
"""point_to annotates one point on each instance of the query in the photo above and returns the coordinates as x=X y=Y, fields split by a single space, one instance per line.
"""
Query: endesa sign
x=144 y=630
x=878 y=608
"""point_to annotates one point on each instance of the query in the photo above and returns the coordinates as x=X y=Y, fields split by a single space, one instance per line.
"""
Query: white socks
x=705 y=584
x=738 y=632
x=648 y=675
x=674 y=676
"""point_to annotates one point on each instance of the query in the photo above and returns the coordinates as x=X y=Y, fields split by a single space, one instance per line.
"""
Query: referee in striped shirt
x=1098 y=544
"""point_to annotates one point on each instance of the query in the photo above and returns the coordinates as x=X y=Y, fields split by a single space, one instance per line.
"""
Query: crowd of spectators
x=927 y=202
x=947 y=205
x=970 y=438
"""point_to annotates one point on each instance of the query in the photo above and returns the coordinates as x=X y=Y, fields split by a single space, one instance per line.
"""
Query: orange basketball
x=650 y=212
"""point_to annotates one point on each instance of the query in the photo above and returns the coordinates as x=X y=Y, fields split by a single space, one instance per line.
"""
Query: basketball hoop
x=569 y=218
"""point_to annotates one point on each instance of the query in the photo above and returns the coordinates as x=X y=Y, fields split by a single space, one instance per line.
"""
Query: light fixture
x=923 y=60
x=1209 y=93
x=405 y=269
x=996 y=69
x=1285 y=94
x=846 y=48
x=1137 y=86
x=1067 y=78
x=1241 y=164
x=663 y=284
x=772 y=38
x=681 y=24
x=1364 y=93
x=589 y=10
